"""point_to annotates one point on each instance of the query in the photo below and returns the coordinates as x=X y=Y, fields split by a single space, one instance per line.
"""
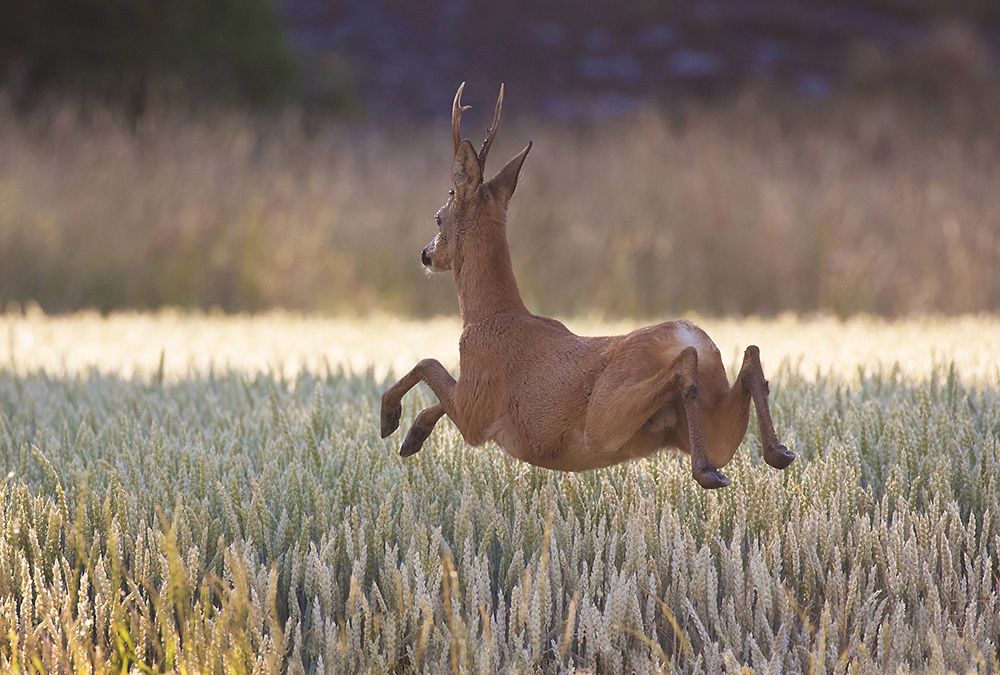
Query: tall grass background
x=876 y=205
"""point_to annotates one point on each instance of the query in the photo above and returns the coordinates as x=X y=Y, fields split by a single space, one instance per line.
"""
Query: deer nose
x=424 y=258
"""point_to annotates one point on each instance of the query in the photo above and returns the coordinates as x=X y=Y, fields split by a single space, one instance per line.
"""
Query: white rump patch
x=686 y=335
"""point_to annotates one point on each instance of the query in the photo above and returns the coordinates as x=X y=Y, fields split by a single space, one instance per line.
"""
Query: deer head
x=474 y=207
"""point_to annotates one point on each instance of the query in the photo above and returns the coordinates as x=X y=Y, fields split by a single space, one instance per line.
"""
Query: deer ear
x=466 y=172
x=504 y=183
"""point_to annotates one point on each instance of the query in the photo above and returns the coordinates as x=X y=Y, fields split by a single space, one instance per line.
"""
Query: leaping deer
x=552 y=398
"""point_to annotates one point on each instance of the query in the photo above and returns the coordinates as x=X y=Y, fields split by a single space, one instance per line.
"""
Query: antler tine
x=456 y=116
x=491 y=133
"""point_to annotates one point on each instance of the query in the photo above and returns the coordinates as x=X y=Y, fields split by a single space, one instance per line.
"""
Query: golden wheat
x=207 y=493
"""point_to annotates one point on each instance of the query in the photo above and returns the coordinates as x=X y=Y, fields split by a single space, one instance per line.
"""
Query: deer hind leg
x=621 y=404
x=685 y=379
x=751 y=377
x=421 y=429
x=427 y=370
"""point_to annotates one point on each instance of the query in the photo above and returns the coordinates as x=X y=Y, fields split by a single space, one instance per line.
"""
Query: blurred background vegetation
x=714 y=156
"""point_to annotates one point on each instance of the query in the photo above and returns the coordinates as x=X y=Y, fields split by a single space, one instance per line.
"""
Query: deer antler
x=491 y=133
x=456 y=116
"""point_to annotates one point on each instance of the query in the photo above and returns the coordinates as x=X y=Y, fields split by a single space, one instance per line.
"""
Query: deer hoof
x=778 y=456
x=710 y=478
x=390 y=418
x=414 y=440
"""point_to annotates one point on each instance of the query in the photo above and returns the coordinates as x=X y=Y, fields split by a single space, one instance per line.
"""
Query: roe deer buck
x=553 y=398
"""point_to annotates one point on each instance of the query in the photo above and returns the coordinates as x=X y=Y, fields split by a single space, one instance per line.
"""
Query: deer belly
x=503 y=433
x=563 y=452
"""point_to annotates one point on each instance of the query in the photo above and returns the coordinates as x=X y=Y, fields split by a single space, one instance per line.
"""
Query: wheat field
x=200 y=493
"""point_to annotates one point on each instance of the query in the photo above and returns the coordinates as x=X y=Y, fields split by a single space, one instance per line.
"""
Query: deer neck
x=485 y=278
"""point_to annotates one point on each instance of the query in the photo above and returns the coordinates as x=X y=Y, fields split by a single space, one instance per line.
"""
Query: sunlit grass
x=187 y=344
x=201 y=492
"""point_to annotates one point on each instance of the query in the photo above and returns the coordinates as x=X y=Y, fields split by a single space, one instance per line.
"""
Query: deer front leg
x=751 y=377
x=427 y=370
x=421 y=429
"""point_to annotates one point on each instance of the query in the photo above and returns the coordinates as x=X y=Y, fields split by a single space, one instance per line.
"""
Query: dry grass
x=235 y=508
x=742 y=210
